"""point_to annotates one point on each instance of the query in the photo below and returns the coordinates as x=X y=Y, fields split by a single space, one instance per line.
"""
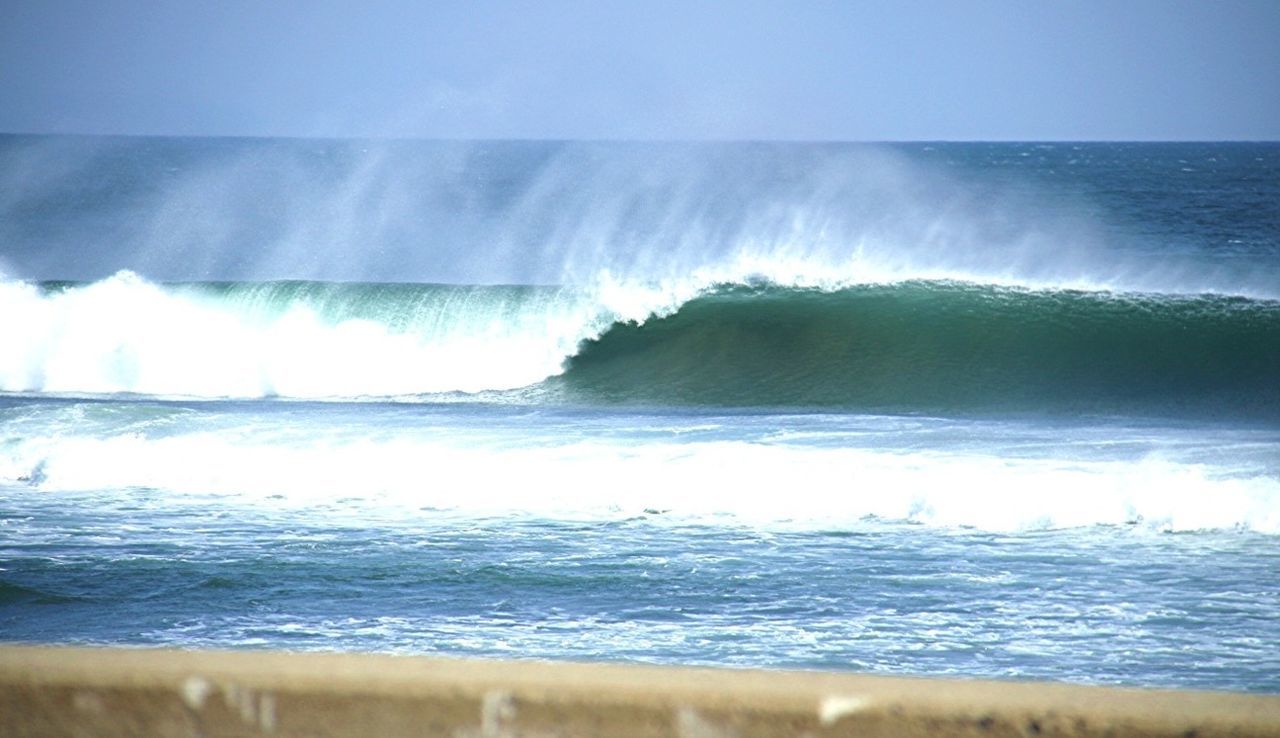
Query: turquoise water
x=990 y=410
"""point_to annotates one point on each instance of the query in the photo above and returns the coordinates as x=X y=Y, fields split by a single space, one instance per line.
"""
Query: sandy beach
x=106 y=692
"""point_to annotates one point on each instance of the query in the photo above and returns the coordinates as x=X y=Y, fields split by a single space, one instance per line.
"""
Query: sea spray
x=562 y=213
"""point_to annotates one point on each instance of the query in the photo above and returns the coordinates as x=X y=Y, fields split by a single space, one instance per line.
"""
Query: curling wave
x=939 y=346
x=909 y=346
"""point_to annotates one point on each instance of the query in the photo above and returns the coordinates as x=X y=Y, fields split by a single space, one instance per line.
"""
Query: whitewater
x=1003 y=410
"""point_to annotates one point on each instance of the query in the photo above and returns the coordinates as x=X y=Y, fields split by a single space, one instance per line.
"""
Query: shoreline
x=58 y=690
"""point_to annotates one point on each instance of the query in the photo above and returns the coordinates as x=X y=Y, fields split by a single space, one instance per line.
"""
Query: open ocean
x=1004 y=410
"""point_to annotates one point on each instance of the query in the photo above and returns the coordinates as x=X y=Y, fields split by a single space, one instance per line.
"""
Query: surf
x=914 y=346
x=435 y=465
x=126 y=335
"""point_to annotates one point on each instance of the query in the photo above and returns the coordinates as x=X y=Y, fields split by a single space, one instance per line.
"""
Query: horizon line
x=621 y=140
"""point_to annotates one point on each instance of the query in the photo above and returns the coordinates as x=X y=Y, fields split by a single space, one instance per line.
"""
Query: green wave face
x=927 y=346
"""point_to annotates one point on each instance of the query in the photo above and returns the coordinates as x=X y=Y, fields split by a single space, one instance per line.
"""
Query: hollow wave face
x=938 y=346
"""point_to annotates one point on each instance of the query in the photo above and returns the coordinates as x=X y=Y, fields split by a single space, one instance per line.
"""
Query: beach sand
x=113 y=691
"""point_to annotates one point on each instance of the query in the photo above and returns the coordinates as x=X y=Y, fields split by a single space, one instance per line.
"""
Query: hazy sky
x=896 y=70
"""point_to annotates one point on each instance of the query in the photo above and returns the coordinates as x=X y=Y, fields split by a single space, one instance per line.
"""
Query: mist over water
x=581 y=213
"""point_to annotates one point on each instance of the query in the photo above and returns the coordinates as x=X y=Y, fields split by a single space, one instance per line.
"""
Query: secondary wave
x=911 y=346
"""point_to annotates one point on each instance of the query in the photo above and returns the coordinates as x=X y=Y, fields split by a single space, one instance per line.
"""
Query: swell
x=937 y=346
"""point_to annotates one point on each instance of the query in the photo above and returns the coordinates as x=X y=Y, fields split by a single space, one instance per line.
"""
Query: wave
x=900 y=346
x=941 y=346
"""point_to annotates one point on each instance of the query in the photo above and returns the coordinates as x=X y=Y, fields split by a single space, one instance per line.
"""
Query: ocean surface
x=999 y=410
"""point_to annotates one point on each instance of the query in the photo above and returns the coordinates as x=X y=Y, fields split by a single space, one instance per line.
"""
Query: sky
x=646 y=70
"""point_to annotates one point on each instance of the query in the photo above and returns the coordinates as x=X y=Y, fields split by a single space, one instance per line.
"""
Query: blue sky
x=903 y=70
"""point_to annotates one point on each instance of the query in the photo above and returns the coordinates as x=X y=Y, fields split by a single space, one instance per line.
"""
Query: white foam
x=125 y=334
x=401 y=477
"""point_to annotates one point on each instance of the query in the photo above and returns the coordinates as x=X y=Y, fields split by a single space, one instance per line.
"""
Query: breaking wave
x=906 y=346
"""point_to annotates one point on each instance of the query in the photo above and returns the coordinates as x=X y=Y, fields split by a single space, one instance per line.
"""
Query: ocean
x=994 y=410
